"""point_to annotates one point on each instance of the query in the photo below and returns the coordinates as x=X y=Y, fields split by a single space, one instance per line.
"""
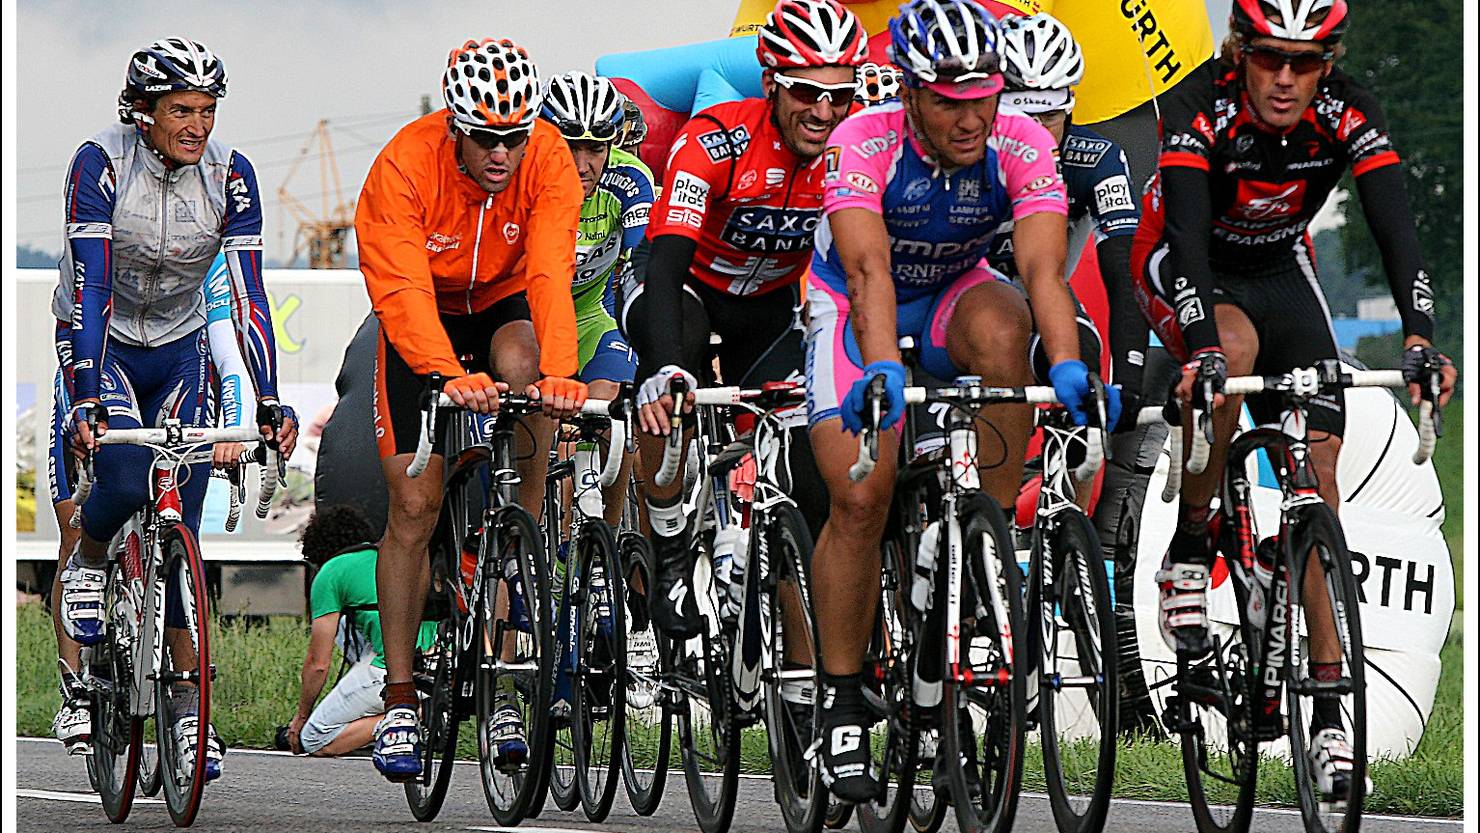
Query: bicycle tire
x=560 y=777
x=712 y=753
x=1000 y=694
x=440 y=720
x=647 y=730
x=117 y=736
x=839 y=813
x=1079 y=597
x=1218 y=690
x=889 y=661
x=789 y=550
x=1318 y=529
x=150 y=779
x=183 y=790
x=600 y=689
x=519 y=792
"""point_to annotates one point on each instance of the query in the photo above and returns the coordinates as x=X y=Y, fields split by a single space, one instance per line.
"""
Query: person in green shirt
x=588 y=112
x=342 y=605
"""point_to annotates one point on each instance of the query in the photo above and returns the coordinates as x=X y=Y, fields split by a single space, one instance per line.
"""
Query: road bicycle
x=1255 y=685
x=950 y=638
x=155 y=657
x=494 y=639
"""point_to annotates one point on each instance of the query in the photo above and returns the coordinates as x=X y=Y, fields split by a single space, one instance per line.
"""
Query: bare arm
x=316 y=662
x=1040 y=242
x=863 y=248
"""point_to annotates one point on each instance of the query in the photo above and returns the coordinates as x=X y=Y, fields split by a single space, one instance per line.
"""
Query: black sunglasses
x=575 y=131
x=490 y=139
x=1271 y=59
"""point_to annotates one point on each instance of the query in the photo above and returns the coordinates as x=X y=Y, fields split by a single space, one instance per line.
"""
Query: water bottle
x=1265 y=556
x=518 y=615
x=922 y=585
x=588 y=480
x=726 y=541
x=739 y=560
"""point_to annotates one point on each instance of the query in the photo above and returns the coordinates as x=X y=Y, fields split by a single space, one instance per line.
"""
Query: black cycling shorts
x=398 y=390
x=1283 y=301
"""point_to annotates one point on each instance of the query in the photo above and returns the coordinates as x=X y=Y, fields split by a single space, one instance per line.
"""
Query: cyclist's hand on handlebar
x=855 y=404
x=89 y=420
x=1419 y=361
x=559 y=397
x=655 y=403
x=1071 y=384
x=476 y=391
x=1207 y=367
x=1128 y=405
x=287 y=436
x=227 y=455
x=278 y=425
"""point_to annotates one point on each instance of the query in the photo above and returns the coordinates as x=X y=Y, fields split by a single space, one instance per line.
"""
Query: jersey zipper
x=477 y=244
x=151 y=282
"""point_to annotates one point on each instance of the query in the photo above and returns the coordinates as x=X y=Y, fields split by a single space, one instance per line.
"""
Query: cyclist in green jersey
x=588 y=111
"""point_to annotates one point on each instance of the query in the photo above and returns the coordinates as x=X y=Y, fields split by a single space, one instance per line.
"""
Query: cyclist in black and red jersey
x=731 y=237
x=1252 y=143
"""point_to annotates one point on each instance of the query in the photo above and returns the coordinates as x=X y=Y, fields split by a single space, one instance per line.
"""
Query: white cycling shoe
x=82 y=601
x=185 y=729
x=73 y=723
x=1331 y=759
x=1184 y=608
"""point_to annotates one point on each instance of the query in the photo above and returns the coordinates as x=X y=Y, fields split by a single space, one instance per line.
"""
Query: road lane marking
x=78 y=798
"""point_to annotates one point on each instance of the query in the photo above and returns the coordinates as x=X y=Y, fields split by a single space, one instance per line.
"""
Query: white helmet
x=877 y=83
x=1039 y=53
x=584 y=106
x=491 y=85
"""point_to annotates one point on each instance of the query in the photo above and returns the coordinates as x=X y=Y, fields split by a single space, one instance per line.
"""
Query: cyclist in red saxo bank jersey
x=1252 y=144
x=731 y=236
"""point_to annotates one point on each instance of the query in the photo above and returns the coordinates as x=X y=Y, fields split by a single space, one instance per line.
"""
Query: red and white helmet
x=492 y=85
x=810 y=33
x=1321 y=21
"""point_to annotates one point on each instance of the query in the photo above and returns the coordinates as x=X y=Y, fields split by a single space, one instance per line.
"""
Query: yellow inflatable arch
x=1132 y=48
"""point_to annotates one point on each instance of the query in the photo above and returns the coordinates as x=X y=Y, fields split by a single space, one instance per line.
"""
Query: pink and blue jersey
x=941 y=224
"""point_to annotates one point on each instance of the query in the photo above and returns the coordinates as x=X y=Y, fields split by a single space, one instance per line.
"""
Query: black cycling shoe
x=845 y=756
x=673 y=607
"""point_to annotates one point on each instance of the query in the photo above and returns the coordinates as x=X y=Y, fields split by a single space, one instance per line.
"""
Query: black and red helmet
x=1319 y=21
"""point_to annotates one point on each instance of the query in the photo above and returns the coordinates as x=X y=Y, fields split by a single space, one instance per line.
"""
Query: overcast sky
x=361 y=64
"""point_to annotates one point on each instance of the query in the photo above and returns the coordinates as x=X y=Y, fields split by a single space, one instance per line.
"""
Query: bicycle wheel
x=436 y=688
x=708 y=732
x=1072 y=638
x=516 y=669
x=186 y=583
x=792 y=708
x=601 y=678
x=888 y=664
x=983 y=717
x=150 y=780
x=1213 y=710
x=1318 y=533
x=647 y=727
x=561 y=776
x=839 y=813
x=117 y=736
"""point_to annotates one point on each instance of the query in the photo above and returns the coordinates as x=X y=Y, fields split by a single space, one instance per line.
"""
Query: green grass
x=257 y=689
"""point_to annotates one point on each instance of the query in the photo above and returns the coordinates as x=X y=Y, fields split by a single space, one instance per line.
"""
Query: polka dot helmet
x=492 y=84
x=877 y=83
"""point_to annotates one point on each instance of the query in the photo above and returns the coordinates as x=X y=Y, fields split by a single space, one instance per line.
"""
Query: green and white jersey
x=613 y=221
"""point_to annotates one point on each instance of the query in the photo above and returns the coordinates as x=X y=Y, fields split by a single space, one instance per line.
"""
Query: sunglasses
x=575 y=131
x=488 y=139
x=810 y=92
x=1270 y=59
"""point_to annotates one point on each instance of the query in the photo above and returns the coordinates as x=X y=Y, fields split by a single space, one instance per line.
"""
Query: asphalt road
x=267 y=791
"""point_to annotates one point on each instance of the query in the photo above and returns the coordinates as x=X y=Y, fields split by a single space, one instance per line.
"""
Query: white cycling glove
x=656 y=385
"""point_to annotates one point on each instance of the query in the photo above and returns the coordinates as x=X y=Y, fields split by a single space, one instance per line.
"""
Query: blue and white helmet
x=944 y=40
x=170 y=65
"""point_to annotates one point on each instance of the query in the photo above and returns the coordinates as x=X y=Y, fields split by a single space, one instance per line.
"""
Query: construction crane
x=321 y=237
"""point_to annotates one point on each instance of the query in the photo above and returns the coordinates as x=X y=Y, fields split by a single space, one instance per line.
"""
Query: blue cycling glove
x=1070 y=380
x=855 y=404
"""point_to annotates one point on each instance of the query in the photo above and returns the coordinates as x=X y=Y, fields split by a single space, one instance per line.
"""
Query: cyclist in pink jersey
x=913 y=194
